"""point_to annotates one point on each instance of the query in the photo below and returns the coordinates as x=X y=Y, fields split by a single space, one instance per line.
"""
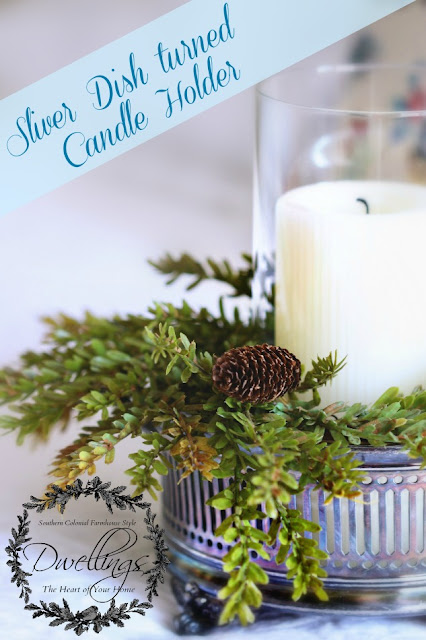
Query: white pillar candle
x=354 y=281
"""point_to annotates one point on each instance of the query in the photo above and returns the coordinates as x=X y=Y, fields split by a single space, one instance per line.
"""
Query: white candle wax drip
x=354 y=281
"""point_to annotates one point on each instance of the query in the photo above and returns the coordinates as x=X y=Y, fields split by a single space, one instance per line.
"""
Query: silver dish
x=376 y=544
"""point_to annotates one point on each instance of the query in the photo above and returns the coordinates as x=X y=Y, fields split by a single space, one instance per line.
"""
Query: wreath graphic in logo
x=92 y=617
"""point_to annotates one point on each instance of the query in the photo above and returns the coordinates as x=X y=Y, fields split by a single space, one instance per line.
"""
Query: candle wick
x=364 y=202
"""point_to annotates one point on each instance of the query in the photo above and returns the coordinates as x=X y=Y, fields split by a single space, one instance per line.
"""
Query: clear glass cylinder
x=340 y=220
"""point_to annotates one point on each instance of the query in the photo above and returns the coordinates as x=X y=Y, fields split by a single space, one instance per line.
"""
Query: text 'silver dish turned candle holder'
x=339 y=229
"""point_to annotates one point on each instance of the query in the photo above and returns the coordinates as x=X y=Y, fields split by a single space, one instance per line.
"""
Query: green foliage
x=238 y=280
x=323 y=371
x=141 y=377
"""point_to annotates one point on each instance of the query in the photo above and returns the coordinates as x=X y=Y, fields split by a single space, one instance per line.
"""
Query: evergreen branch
x=93 y=445
x=323 y=371
x=239 y=280
x=241 y=592
x=300 y=554
x=99 y=366
x=150 y=461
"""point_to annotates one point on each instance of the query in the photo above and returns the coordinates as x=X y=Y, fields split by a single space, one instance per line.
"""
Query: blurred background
x=86 y=245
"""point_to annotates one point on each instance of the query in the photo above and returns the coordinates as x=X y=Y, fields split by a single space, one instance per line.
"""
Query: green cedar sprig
x=323 y=371
x=239 y=280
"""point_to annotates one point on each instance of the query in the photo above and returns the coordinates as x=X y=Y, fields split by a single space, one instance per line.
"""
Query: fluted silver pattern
x=377 y=541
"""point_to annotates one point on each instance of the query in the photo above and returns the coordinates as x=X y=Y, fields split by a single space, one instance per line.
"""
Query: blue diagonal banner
x=157 y=77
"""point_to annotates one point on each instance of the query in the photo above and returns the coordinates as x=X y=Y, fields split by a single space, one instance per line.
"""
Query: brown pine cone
x=256 y=374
